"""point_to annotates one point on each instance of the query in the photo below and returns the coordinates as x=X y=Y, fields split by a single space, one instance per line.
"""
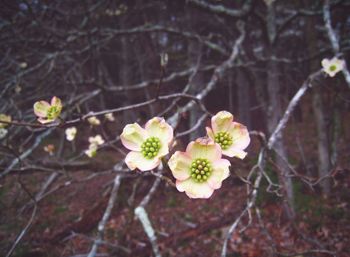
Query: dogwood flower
x=94 y=121
x=48 y=112
x=200 y=170
x=4 y=117
x=3 y=133
x=109 y=117
x=96 y=140
x=94 y=143
x=332 y=66
x=148 y=145
x=233 y=137
x=71 y=133
x=91 y=151
x=50 y=148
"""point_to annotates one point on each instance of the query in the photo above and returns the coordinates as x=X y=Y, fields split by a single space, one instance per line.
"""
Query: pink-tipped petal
x=55 y=101
x=135 y=160
x=220 y=172
x=221 y=121
x=204 y=148
x=164 y=150
x=41 y=108
x=240 y=135
x=133 y=136
x=158 y=127
x=234 y=152
x=210 y=133
x=45 y=121
x=193 y=189
x=179 y=165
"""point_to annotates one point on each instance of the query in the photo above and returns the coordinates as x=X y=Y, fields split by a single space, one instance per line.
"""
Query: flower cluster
x=200 y=169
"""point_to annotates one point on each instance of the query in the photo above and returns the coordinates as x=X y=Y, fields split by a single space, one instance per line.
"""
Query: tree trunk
x=323 y=146
x=274 y=113
x=324 y=164
x=243 y=98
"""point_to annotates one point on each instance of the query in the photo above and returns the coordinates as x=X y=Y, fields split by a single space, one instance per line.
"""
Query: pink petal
x=221 y=121
x=220 y=172
x=204 y=148
x=194 y=189
x=179 y=165
x=45 y=121
x=133 y=136
x=210 y=133
x=55 y=101
x=135 y=160
x=240 y=135
x=232 y=151
x=41 y=108
x=158 y=127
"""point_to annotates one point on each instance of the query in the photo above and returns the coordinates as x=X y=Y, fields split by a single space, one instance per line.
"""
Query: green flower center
x=223 y=139
x=150 y=147
x=333 y=67
x=53 y=112
x=201 y=170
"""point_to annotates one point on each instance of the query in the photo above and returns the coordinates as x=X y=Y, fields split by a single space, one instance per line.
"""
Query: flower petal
x=136 y=160
x=179 y=165
x=325 y=63
x=164 y=150
x=194 y=189
x=44 y=120
x=220 y=172
x=210 y=133
x=133 y=136
x=234 y=152
x=240 y=135
x=158 y=127
x=204 y=148
x=55 y=101
x=4 y=117
x=221 y=121
x=41 y=108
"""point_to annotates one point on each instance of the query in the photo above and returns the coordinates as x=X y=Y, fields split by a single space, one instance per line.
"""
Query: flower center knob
x=53 y=112
x=150 y=147
x=333 y=67
x=223 y=139
x=201 y=170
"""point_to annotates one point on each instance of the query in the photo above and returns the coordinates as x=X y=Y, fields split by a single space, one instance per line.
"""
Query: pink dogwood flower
x=148 y=145
x=200 y=170
x=232 y=137
x=48 y=112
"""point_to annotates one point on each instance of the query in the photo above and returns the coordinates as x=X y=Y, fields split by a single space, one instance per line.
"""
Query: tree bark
x=243 y=98
x=274 y=113
x=323 y=146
